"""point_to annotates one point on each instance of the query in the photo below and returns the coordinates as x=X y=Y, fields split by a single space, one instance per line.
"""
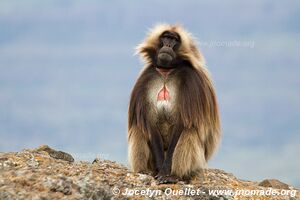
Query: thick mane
x=198 y=108
x=191 y=128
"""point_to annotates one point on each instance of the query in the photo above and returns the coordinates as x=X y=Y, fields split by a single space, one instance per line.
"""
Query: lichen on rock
x=56 y=154
x=45 y=173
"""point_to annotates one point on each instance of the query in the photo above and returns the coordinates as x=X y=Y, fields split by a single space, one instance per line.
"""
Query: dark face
x=166 y=55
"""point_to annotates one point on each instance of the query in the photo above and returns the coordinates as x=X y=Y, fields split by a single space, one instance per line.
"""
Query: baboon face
x=168 y=46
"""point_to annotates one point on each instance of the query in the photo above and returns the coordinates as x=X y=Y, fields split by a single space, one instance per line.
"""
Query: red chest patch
x=163 y=94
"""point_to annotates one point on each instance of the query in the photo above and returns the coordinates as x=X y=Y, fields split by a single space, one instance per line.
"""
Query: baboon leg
x=188 y=156
x=138 y=151
x=164 y=175
x=167 y=164
x=157 y=149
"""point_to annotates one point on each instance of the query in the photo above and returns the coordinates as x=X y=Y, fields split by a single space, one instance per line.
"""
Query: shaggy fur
x=193 y=106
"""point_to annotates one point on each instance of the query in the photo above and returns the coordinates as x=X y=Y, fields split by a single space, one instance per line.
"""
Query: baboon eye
x=161 y=44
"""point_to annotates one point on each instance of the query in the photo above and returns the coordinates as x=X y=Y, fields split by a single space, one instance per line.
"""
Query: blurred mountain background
x=67 y=69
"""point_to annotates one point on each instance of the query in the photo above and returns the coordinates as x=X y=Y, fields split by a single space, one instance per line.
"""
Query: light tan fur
x=188 y=156
x=198 y=142
x=138 y=151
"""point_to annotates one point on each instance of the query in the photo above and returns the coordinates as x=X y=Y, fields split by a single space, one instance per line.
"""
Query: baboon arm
x=157 y=148
x=167 y=165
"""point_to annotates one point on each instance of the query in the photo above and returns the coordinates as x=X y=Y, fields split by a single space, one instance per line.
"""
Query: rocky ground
x=45 y=173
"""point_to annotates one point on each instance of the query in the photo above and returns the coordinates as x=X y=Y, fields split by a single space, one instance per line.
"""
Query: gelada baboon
x=173 y=118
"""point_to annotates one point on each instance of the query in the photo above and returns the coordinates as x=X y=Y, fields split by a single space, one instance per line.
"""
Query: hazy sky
x=67 y=69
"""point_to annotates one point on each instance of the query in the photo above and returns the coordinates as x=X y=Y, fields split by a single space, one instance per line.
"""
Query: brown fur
x=195 y=107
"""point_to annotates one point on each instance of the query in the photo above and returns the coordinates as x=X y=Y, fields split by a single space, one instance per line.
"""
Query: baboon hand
x=167 y=179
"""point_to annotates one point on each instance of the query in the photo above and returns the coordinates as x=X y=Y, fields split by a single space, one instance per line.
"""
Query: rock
x=274 y=183
x=145 y=179
x=45 y=173
x=60 y=184
x=56 y=154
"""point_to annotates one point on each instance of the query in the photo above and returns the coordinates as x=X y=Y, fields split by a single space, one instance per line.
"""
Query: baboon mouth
x=165 y=53
x=165 y=56
x=164 y=59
